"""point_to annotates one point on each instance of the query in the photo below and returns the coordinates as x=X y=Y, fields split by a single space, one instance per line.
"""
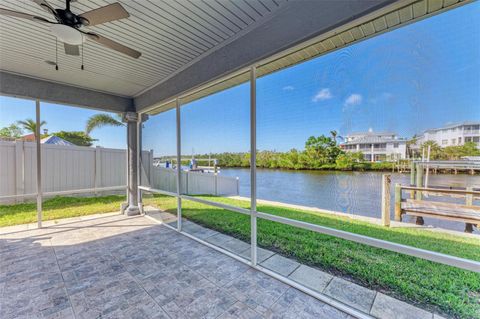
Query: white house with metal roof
x=376 y=146
x=453 y=134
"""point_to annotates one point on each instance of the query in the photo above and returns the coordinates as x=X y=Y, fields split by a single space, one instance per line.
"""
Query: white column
x=253 y=166
x=179 y=166
x=39 y=165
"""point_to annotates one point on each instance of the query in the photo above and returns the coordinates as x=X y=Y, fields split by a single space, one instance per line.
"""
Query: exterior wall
x=452 y=136
x=399 y=152
x=389 y=149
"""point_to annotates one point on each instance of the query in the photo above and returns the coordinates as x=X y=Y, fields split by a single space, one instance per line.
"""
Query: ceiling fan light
x=67 y=34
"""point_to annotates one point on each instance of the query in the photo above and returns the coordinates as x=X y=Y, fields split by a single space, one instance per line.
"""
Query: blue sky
x=420 y=76
x=60 y=118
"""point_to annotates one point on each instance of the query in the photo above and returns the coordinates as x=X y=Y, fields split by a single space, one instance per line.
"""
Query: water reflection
x=348 y=192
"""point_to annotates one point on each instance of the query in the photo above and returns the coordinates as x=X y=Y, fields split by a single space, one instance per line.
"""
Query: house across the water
x=453 y=134
x=376 y=146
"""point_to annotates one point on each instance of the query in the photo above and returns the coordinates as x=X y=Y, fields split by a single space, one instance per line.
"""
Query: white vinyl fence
x=64 y=168
x=192 y=183
x=70 y=168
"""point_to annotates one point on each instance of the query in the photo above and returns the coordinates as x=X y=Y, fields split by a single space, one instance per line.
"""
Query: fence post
x=98 y=167
x=386 y=181
x=150 y=168
x=469 y=202
x=19 y=170
x=216 y=183
x=398 y=202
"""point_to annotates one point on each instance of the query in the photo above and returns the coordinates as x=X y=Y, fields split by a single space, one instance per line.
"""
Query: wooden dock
x=416 y=206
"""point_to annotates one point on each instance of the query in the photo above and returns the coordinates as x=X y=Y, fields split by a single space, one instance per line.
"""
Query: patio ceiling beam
x=299 y=21
x=26 y=87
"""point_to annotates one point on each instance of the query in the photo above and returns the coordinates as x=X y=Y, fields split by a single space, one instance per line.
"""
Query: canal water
x=356 y=193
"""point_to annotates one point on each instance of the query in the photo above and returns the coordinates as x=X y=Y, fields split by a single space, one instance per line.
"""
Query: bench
x=466 y=213
x=470 y=215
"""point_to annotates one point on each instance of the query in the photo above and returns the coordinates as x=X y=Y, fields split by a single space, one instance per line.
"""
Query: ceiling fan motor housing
x=67 y=17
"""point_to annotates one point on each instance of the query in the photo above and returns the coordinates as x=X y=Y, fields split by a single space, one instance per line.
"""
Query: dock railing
x=418 y=193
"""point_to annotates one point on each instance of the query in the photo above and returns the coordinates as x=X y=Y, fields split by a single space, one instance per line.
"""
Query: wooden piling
x=386 y=183
x=412 y=178
x=419 y=196
x=398 y=202
x=419 y=180
x=469 y=202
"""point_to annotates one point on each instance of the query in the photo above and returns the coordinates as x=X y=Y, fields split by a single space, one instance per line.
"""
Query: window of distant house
x=395 y=145
x=444 y=142
x=459 y=140
x=453 y=141
x=468 y=139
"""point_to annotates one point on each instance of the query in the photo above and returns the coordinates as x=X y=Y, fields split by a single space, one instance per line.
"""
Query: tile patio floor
x=130 y=267
x=370 y=302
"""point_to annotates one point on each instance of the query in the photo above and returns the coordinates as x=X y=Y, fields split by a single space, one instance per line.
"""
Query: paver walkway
x=130 y=267
x=370 y=302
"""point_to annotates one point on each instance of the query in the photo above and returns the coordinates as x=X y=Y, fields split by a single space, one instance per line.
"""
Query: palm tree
x=100 y=120
x=335 y=136
x=31 y=126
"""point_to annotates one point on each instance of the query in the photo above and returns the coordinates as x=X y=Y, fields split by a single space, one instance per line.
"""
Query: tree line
x=80 y=138
x=320 y=153
x=323 y=153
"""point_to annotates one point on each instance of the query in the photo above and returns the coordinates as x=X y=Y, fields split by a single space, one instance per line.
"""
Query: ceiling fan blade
x=46 y=6
x=71 y=49
x=22 y=15
x=111 y=12
x=113 y=45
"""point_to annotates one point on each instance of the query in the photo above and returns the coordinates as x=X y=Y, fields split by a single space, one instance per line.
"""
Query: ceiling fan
x=67 y=27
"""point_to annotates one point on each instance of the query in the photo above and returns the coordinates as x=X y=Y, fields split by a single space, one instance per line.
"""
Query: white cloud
x=353 y=99
x=323 y=94
x=288 y=88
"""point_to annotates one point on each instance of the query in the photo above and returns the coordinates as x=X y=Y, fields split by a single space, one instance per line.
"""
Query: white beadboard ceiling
x=384 y=20
x=170 y=34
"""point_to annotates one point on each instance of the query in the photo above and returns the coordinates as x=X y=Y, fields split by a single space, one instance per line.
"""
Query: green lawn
x=430 y=285
x=59 y=207
x=426 y=284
